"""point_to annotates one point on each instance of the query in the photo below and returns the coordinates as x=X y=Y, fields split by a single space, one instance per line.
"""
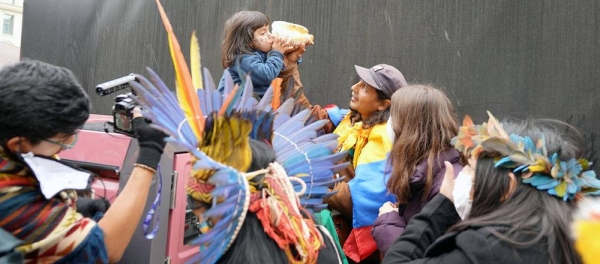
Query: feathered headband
x=559 y=178
x=215 y=129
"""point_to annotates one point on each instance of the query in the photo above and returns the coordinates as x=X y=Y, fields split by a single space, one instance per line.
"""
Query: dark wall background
x=537 y=58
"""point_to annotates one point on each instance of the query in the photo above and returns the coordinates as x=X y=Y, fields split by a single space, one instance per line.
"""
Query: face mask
x=462 y=194
x=55 y=176
x=390 y=129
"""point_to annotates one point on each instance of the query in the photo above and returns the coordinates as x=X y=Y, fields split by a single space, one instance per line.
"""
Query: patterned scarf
x=50 y=229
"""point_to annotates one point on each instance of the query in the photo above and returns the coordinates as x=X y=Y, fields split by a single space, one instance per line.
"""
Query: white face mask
x=390 y=129
x=55 y=176
x=462 y=193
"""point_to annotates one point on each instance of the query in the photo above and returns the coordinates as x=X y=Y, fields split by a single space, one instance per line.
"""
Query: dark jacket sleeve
x=422 y=230
x=386 y=229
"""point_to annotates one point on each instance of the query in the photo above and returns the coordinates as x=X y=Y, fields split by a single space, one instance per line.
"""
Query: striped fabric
x=50 y=229
x=368 y=190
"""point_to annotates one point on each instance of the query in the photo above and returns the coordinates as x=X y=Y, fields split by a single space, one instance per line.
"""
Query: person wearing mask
x=527 y=176
x=42 y=109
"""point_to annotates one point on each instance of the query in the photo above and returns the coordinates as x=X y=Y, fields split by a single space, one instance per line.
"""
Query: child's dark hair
x=239 y=33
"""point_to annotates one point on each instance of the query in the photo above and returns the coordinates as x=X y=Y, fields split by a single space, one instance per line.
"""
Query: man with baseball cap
x=382 y=77
x=362 y=133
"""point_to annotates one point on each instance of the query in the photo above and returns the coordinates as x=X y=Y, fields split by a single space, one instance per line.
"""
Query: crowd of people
x=418 y=187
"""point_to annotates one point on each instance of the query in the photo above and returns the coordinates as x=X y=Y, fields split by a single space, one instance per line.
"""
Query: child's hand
x=282 y=46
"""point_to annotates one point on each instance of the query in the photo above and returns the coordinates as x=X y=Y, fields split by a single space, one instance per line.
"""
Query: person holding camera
x=42 y=108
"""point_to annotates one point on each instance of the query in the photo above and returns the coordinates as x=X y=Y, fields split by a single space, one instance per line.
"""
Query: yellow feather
x=195 y=62
x=561 y=189
x=587 y=242
x=186 y=93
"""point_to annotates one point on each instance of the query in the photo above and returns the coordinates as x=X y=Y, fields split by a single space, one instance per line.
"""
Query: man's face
x=364 y=99
x=262 y=39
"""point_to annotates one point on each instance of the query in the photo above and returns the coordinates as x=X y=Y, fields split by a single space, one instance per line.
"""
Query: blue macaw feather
x=522 y=168
x=228 y=82
x=572 y=188
x=589 y=180
x=168 y=98
x=317 y=208
x=538 y=179
x=201 y=93
x=280 y=119
x=163 y=103
x=315 y=191
x=320 y=181
x=251 y=103
x=226 y=190
x=223 y=209
x=309 y=202
x=286 y=147
x=209 y=83
x=332 y=158
x=286 y=108
x=300 y=118
x=504 y=162
x=265 y=102
x=574 y=167
x=326 y=169
x=225 y=176
x=549 y=185
x=287 y=129
x=236 y=99
x=310 y=129
x=244 y=99
x=326 y=138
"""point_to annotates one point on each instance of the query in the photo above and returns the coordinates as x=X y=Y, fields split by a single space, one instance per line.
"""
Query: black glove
x=88 y=207
x=151 y=142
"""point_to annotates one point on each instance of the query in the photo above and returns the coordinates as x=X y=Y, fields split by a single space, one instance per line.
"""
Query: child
x=249 y=48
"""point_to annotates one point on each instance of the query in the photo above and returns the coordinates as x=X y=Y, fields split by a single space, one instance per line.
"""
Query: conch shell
x=292 y=33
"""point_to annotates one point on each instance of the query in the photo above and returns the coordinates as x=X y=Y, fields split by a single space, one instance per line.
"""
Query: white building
x=11 y=26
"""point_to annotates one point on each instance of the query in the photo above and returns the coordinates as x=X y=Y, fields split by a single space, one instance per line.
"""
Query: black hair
x=39 y=100
x=529 y=217
x=378 y=117
x=262 y=155
x=239 y=34
x=252 y=244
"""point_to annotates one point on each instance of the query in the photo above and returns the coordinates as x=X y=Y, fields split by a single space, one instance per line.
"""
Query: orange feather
x=228 y=100
x=186 y=93
x=276 y=102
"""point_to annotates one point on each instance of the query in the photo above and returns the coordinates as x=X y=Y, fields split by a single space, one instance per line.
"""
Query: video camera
x=122 y=111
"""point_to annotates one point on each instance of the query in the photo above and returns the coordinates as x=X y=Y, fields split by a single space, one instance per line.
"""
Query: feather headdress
x=215 y=129
x=559 y=178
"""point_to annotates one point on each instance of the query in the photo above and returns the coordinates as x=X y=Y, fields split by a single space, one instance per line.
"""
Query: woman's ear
x=511 y=187
x=384 y=104
x=18 y=145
